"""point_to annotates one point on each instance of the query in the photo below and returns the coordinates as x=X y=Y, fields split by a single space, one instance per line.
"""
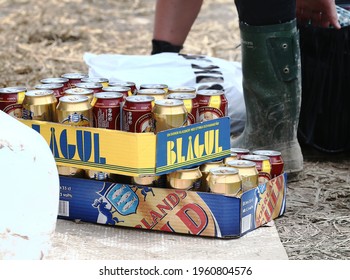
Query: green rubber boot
x=272 y=91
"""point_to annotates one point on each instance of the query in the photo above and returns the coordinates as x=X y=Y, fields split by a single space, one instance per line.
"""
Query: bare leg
x=173 y=20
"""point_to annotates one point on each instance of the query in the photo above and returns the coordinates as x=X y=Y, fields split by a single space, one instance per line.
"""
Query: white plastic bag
x=176 y=70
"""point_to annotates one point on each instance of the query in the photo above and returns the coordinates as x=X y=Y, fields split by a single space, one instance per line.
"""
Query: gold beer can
x=75 y=110
x=185 y=179
x=225 y=180
x=158 y=94
x=168 y=113
x=232 y=156
x=247 y=170
x=191 y=104
x=80 y=91
x=205 y=168
x=39 y=105
x=149 y=180
x=263 y=166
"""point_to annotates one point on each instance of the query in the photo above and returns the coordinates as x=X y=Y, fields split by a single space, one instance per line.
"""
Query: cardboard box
x=170 y=210
x=131 y=154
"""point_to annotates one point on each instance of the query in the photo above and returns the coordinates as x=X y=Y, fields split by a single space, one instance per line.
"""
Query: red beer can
x=277 y=164
x=58 y=80
x=102 y=81
x=56 y=88
x=240 y=152
x=106 y=110
x=126 y=91
x=96 y=87
x=137 y=114
x=131 y=85
x=74 y=78
x=11 y=99
x=212 y=104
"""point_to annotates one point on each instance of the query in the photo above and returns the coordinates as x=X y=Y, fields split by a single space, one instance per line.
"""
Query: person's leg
x=271 y=78
x=172 y=23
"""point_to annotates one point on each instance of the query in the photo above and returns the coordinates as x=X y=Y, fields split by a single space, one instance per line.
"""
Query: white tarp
x=176 y=70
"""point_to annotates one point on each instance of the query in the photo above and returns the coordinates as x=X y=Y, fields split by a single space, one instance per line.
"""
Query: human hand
x=321 y=13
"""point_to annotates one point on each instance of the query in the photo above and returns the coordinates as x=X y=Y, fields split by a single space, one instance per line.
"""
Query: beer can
x=247 y=170
x=97 y=175
x=126 y=91
x=205 y=168
x=185 y=179
x=74 y=78
x=58 y=80
x=71 y=171
x=103 y=81
x=137 y=114
x=56 y=88
x=232 y=156
x=96 y=87
x=276 y=160
x=191 y=104
x=224 y=180
x=263 y=166
x=75 y=110
x=81 y=92
x=168 y=113
x=156 y=181
x=184 y=89
x=156 y=93
x=39 y=105
x=106 y=110
x=131 y=85
x=240 y=152
x=11 y=99
x=212 y=104
x=155 y=86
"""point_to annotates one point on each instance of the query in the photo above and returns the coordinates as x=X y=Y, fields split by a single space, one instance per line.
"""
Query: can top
x=74 y=75
x=89 y=85
x=9 y=90
x=39 y=92
x=59 y=80
x=161 y=86
x=150 y=91
x=181 y=96
x=108 y=95
x=79 y=91
x=121 y=84
x=169 y=102
x=94 y=80
x=182 y=89
x=255 y=157
x=210 y=92
x=49 y=86
x=223 y=171
x=267 y=153
x=116 y=88
x=241 y=163
x=74 y=98
x=139 y=98
x=239 y=150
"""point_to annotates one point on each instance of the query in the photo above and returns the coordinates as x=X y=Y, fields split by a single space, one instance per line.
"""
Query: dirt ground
x=42 y=39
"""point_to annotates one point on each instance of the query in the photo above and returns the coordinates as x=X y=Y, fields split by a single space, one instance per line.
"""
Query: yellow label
x=93 y=101
x=215 y=101
x=188 y=105
x=266 y=166
x=20 y=97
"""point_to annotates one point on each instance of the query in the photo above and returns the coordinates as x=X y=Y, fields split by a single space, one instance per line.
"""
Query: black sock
x=159 y=46
x=265 y=12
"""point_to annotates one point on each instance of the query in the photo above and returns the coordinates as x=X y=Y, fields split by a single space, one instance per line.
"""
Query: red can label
x=106 y=110
x=11 y=99
x=137 y=114
x=212 y=104
x=276 y=160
